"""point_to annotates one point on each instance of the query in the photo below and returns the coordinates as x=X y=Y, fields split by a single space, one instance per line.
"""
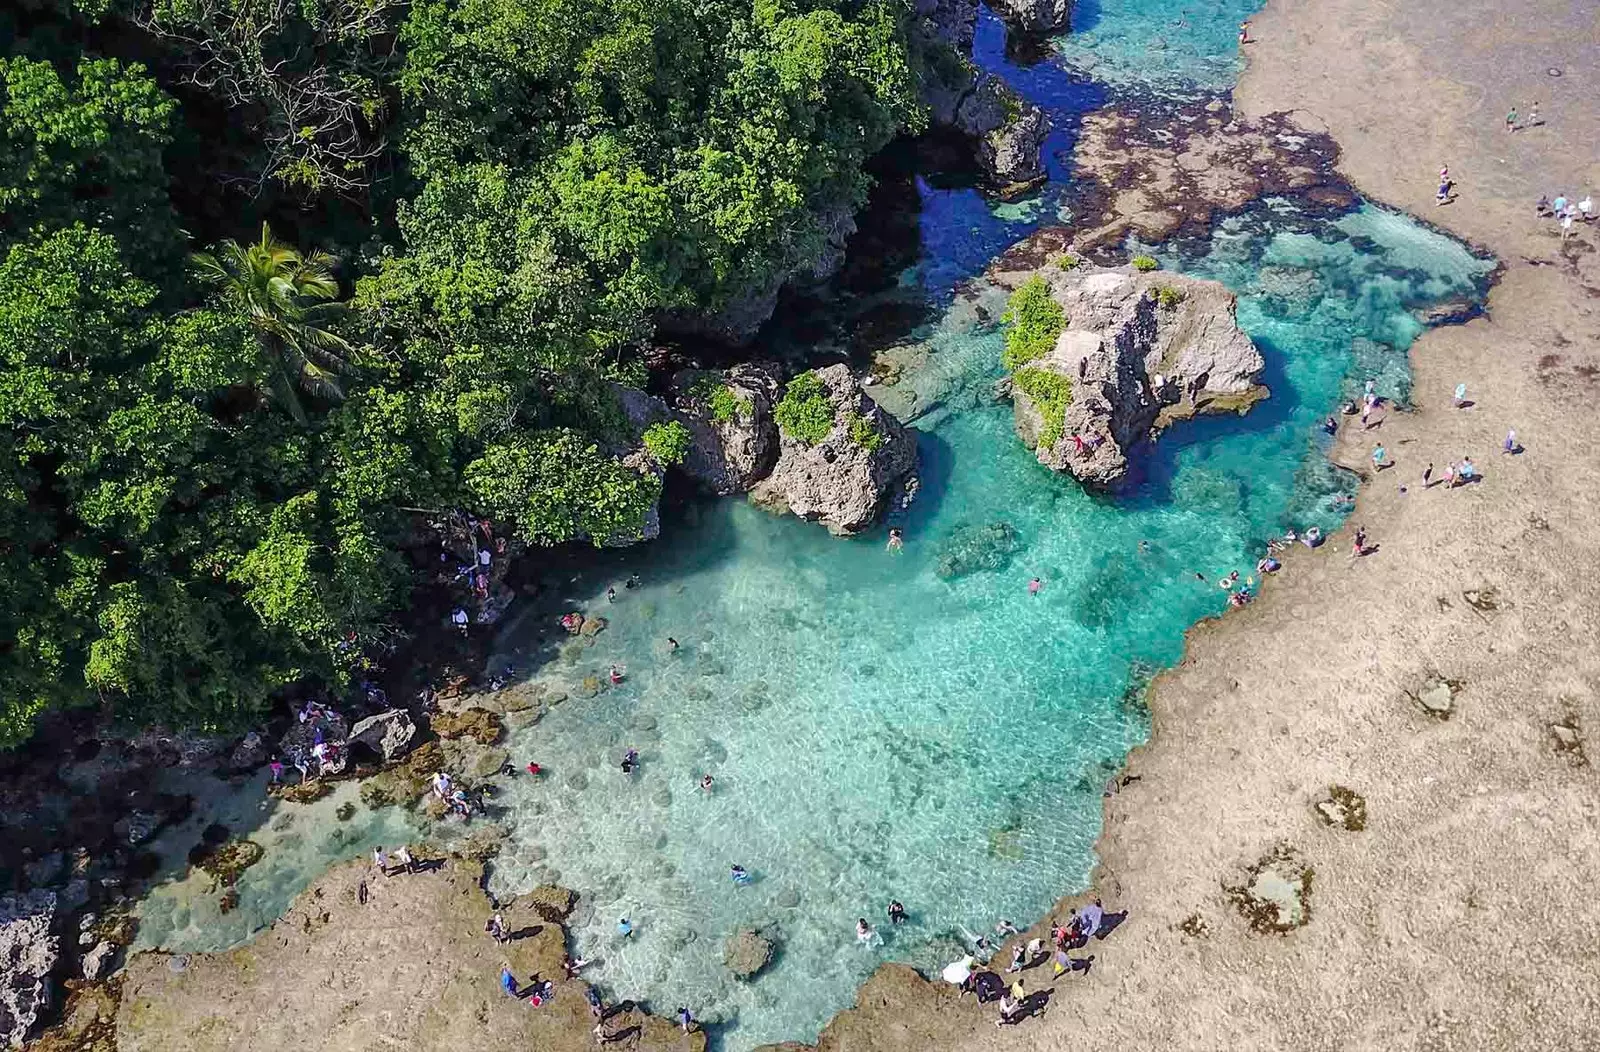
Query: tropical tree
x=288 y=297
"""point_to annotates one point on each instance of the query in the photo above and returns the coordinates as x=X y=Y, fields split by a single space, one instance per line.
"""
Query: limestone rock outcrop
x=387 y=733
x=1139 y=351
x=733 y=440
x=949 y=21
x=28 y=952
x=847 y=476
x=1035 y=16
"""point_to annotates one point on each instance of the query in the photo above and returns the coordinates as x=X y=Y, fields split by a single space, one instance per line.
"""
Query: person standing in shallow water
x=1034 y=586
x=897 y=912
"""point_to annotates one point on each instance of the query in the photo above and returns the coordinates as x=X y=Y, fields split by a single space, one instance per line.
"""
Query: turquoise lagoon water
x=877 y=731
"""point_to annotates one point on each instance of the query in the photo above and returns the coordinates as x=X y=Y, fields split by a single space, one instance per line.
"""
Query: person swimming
x=741 y=876
x=705 y=784
x=897 y=539
x=897 y=912
x=616 y=675
x=1034 y=586
x=630 y=761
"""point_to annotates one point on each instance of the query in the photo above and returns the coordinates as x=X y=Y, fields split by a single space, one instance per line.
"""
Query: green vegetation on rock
x=725 y=404
x=1051 y=393
x=1035 y=319
x=1169 y=296
x=667 y=442
x=1144 y=264
x=864 y=434
x=804 y=413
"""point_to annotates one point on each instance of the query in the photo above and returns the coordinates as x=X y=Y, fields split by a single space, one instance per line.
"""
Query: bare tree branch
x=311 y=69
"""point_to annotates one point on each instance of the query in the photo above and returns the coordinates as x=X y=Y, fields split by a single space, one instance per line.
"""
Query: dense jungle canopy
x=274 y=273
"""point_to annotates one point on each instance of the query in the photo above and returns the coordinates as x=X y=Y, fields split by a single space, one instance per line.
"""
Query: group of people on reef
x=971 y=974
x=1565 y=212
x=456 y=798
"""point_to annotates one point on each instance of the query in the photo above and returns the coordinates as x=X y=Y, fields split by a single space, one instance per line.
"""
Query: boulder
x=746 y=953
x=28 y=952
x=95 y=962
x=1035 y=16
x=252 y=751
x=1140 y=351
x=1010 y=131
x=844 y=479
x=733 y=439
x=387 y=733
x=949 y=21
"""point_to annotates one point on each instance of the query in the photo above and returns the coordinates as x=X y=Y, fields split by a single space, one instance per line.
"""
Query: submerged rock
x=746 y=953
x=976 y=548
x=28 y=952
x=480 y=725
x=844 y=478
x=1139 y=351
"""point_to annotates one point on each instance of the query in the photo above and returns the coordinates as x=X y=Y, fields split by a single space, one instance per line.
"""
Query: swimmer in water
x=897 y=912
x=672 y=645
x=616 y=674
x=1034 y=586
x=630 y=761
x=705 y=784
x=864 y=933
x=534 y=769
x=897 y=540
x=741 y=876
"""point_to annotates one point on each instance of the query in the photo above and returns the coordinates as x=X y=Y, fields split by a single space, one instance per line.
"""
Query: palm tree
x=289 y=298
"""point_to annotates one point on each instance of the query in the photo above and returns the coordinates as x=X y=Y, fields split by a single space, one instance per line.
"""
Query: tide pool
x=878 y=729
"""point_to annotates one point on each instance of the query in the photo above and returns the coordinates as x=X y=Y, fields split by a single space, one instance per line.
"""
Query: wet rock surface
x=28 y=952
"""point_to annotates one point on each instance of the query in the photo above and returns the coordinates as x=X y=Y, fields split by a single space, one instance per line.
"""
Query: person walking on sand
x=1511 y=119
x=508 y=981
x=1510 y=444
x=1533 y=116
x=380 y=860
x=1427 y=475
x=1460 y=400
x=403 y=860
x=1378 y=457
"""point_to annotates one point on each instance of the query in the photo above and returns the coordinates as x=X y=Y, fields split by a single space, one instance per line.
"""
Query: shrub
x=1145 y=264
x=1051 y=393
x=1169 y=296
x=805 y=414
x=726 y=406
x=667 y=442
x=1036 y=319
x=863 y=434
x=1068 y=261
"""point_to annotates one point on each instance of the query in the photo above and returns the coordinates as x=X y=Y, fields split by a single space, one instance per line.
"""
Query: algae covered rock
x=481 y=725
x=746 y=953
x=840 y=456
